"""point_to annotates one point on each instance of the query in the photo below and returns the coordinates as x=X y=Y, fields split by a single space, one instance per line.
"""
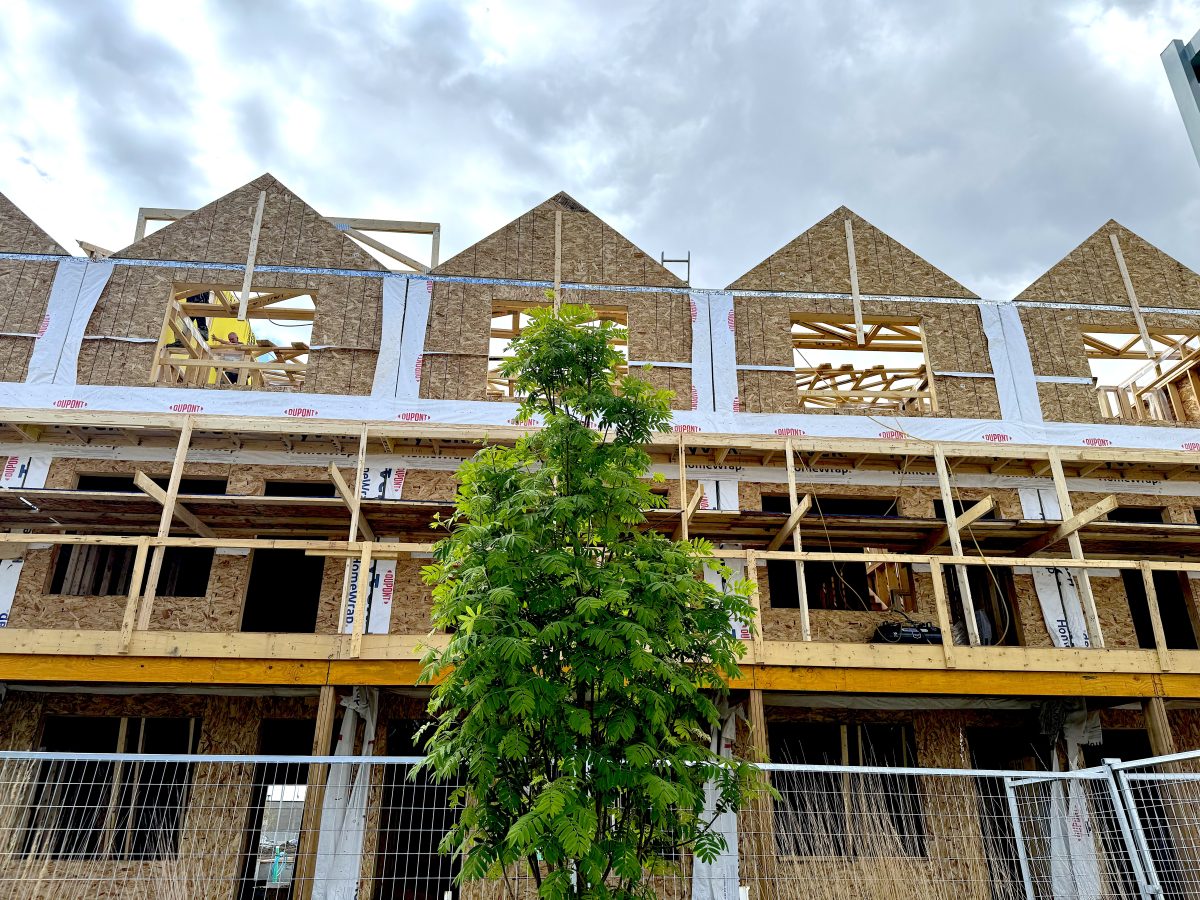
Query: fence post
x=1130 y=823
x=1022 y=853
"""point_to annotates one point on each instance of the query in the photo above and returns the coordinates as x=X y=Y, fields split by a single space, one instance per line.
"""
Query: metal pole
x=1022 y=853
x=1131 y=831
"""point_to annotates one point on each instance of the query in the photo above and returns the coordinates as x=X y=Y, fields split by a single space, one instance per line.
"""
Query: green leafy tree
x=588 y=656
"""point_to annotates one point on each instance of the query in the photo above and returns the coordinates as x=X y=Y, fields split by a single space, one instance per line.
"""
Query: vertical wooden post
x=363 y=575
x=801 y=581
x=855 y=298
x=1065 y=511
x=756 y=602
x=1158 y=727
x=1156 y=624
x=436 y=246
x=938 y=574
x=557 y=259
x=130 y=619
x=164 y=523
x=757 y=819
x=1132 y=296
x=683 y=497
x=956 y=544
x=314 y=795
x=255 y=229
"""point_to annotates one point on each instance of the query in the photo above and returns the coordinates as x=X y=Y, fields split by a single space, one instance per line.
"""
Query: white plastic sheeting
x=702 y=354
x=719 y=880
x=77 y=286
x=18 y=472
x=344 y=810
x=1074 y=865
x=724 y=358
x=382 y=480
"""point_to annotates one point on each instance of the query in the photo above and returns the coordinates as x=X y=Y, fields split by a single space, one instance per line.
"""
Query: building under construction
x=972 y=527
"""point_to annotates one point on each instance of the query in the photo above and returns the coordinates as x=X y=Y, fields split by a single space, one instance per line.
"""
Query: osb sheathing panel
x=592 y=251
x=1112 y=606
x=817 y=260
x=914 y=502
x=1090 y=274
x=347 y=310
x=24 y=294
x=457 y=337
x=954 y=342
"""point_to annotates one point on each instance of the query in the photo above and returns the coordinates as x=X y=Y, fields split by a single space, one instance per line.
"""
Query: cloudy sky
x=990 y=137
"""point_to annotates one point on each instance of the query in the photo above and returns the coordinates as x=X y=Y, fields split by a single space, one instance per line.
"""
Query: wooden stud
x=360 y=605
x=798 y=509
x=937 y=573
x=1156 y=623
x=352 y=502
x=956 y=545
x=681 y=530
x=855 y=298
x=383 y=248
x=1066 y=511
x=1132 y=296
x=755 y=601
x=249 y=276
x=133 y=596
x=164 y=523
x=314 y=796
x=182 y=513
x=557 y=259
x=790 y=528
x=968 y=518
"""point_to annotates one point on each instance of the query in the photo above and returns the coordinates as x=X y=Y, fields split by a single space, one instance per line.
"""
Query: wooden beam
x=134 y=594
x=255 y=229
x=854 y=295
x=1131 y=295
x=956 y=545
x=686 y=514
x=164 y=523
x=1066 y=510
x=182 y=513
x=1068 y=527
x=797 y=511
x=387 y=251
x=937 y=574
x=968 y=518
x=788 y=528
x=352 y=502
x=314 y=796
x=1156 y=622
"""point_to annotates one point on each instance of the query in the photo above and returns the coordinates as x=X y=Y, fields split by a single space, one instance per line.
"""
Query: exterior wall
x=348 y=310
x=24 y=288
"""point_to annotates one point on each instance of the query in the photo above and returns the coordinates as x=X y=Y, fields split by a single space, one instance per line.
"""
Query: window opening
x=299 y=489
x=83 y=809
x=1154 y=515
x=283 y=593
x=888 y=371
x=509 y=319
x=123 y=484
x=1174 y=606
x=95 y=570
x=416 y=816
x=1130 y=385
x=204 y=344
x=847 y=814
x=277 y=810
x=993 y=593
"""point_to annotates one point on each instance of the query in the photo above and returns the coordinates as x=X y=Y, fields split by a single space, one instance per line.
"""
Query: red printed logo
x=737 y=404
x=790 y=432
x=695 y=312
x=695 y=398
x=997 y=438
x=429 y=287
x=186 y=407
x=704 y=501
x=729 y=319
x=70 y=404
x=398 y=479
x=892 y=435
x=1190 y=445
x=300 y=412
x=686 y=429
x=389 y=583
x=10 y=467
x=1097 y=442
x=45 y=324
x=420 y=363
x=413 y=417
x=523 y=423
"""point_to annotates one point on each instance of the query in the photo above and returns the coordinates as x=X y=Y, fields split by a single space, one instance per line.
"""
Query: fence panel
x=234 y=828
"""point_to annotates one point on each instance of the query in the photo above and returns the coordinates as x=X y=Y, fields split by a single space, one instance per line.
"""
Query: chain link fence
x=233 y=827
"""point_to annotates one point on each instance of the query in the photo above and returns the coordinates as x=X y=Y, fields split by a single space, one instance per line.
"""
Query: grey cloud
x=979 y=134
